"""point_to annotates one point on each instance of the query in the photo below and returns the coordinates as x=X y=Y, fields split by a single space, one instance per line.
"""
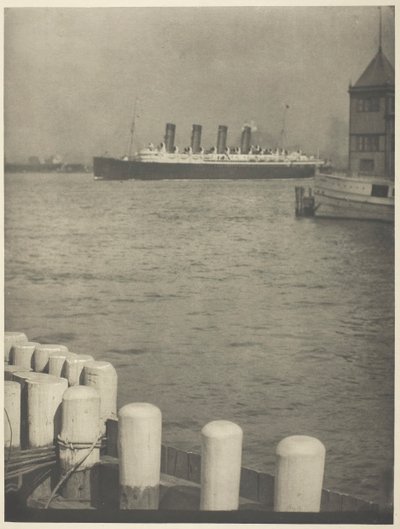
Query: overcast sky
x=72 y=75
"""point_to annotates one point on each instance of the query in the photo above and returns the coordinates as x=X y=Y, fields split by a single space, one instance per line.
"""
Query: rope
x=26 y=461
x=74 y=468
x=76 y=446
x=27 y=470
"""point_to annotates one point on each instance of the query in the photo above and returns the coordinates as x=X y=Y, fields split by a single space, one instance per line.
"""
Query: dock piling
x=40 y=402
x=41 y=356
x=103 y=377
x=305 y=205
x=12 y=414
x=139 y=448
x=57 y=362
x=73 y=368
x=44 y=394
x=299 y=474
x=79 y=443
x=220 y=466
x=21 y=354
x=9 y=371
x=10 y=339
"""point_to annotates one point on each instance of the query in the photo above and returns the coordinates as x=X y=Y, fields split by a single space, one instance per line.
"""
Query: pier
x=71 y=455
x=305 y=204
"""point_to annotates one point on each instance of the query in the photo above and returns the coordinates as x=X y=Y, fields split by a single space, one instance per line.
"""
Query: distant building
x=371 y=139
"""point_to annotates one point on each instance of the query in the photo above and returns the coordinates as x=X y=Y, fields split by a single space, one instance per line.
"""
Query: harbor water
x=213 y=301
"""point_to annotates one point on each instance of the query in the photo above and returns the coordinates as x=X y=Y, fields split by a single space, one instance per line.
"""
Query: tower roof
x=379 y=72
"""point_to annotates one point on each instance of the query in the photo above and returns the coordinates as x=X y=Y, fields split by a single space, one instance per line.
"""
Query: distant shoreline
x=47 y=168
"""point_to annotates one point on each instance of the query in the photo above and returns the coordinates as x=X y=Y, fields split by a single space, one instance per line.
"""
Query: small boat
x=341 y=196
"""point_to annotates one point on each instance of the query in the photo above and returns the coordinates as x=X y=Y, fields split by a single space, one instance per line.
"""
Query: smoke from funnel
x=245 y=140
x=252 y=124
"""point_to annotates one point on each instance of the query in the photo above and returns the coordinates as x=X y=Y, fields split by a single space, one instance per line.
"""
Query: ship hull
x=354 y=198
x=114 y=169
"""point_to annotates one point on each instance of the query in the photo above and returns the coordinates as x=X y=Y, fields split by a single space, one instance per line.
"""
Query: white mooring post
x=139 y=450
x=57 y=362
x=79 y=439
x=221 y=458
x=299 y=474
x=21 y=354
x=41 y=356
x=40 y=410
x=74 y=366
x=103 y=377
x=10 y=339
x=9 y=371
x=44 y=394
x=12 y=414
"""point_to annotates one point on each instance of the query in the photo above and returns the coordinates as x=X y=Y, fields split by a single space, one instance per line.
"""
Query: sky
x=71 y=75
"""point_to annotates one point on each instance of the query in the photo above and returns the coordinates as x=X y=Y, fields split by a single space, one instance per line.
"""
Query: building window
x=367 y=143
x=367 y=166
x=379 y=191
x=368 y=104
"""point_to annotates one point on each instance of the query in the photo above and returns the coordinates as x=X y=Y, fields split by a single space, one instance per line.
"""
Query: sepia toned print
x=199 y=264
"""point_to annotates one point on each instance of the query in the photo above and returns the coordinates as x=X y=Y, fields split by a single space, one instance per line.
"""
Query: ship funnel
x=195 y=141
x=221 y=141
x=245 y=140
x=169 y=137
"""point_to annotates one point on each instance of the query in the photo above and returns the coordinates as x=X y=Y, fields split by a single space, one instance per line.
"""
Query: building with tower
x=367 y=191
x=371 y=135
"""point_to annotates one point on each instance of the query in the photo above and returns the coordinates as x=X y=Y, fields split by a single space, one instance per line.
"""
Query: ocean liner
x=220 y=162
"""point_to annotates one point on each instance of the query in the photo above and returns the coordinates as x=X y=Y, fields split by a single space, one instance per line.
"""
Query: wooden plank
x=266 y=483
x=194 y=467
x=13 y=485
x=112 y=437
x=331 y=501
x=59 y=503
x=38 y=483
x=182 y=465
x=16 y=454
x=178 y=494
x=109 y=483
x=83 y=485
x=163 y=467
x=171 y=460
x=249 y=484
x=350 y=504
x=336 y=502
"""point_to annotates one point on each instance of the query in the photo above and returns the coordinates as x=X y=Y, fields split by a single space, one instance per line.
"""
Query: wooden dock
x=69 y=452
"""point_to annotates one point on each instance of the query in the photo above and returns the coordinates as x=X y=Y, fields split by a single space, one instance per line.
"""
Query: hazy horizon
x=72 y=75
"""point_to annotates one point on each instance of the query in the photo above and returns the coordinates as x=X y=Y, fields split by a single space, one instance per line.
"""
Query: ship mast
x=283 y=132
x=132 y=129
x=380 y=28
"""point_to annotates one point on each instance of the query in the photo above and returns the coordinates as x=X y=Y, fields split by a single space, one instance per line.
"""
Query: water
x=213 y=301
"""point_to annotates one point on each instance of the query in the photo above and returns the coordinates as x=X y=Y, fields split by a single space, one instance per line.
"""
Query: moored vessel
x=339 y=196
